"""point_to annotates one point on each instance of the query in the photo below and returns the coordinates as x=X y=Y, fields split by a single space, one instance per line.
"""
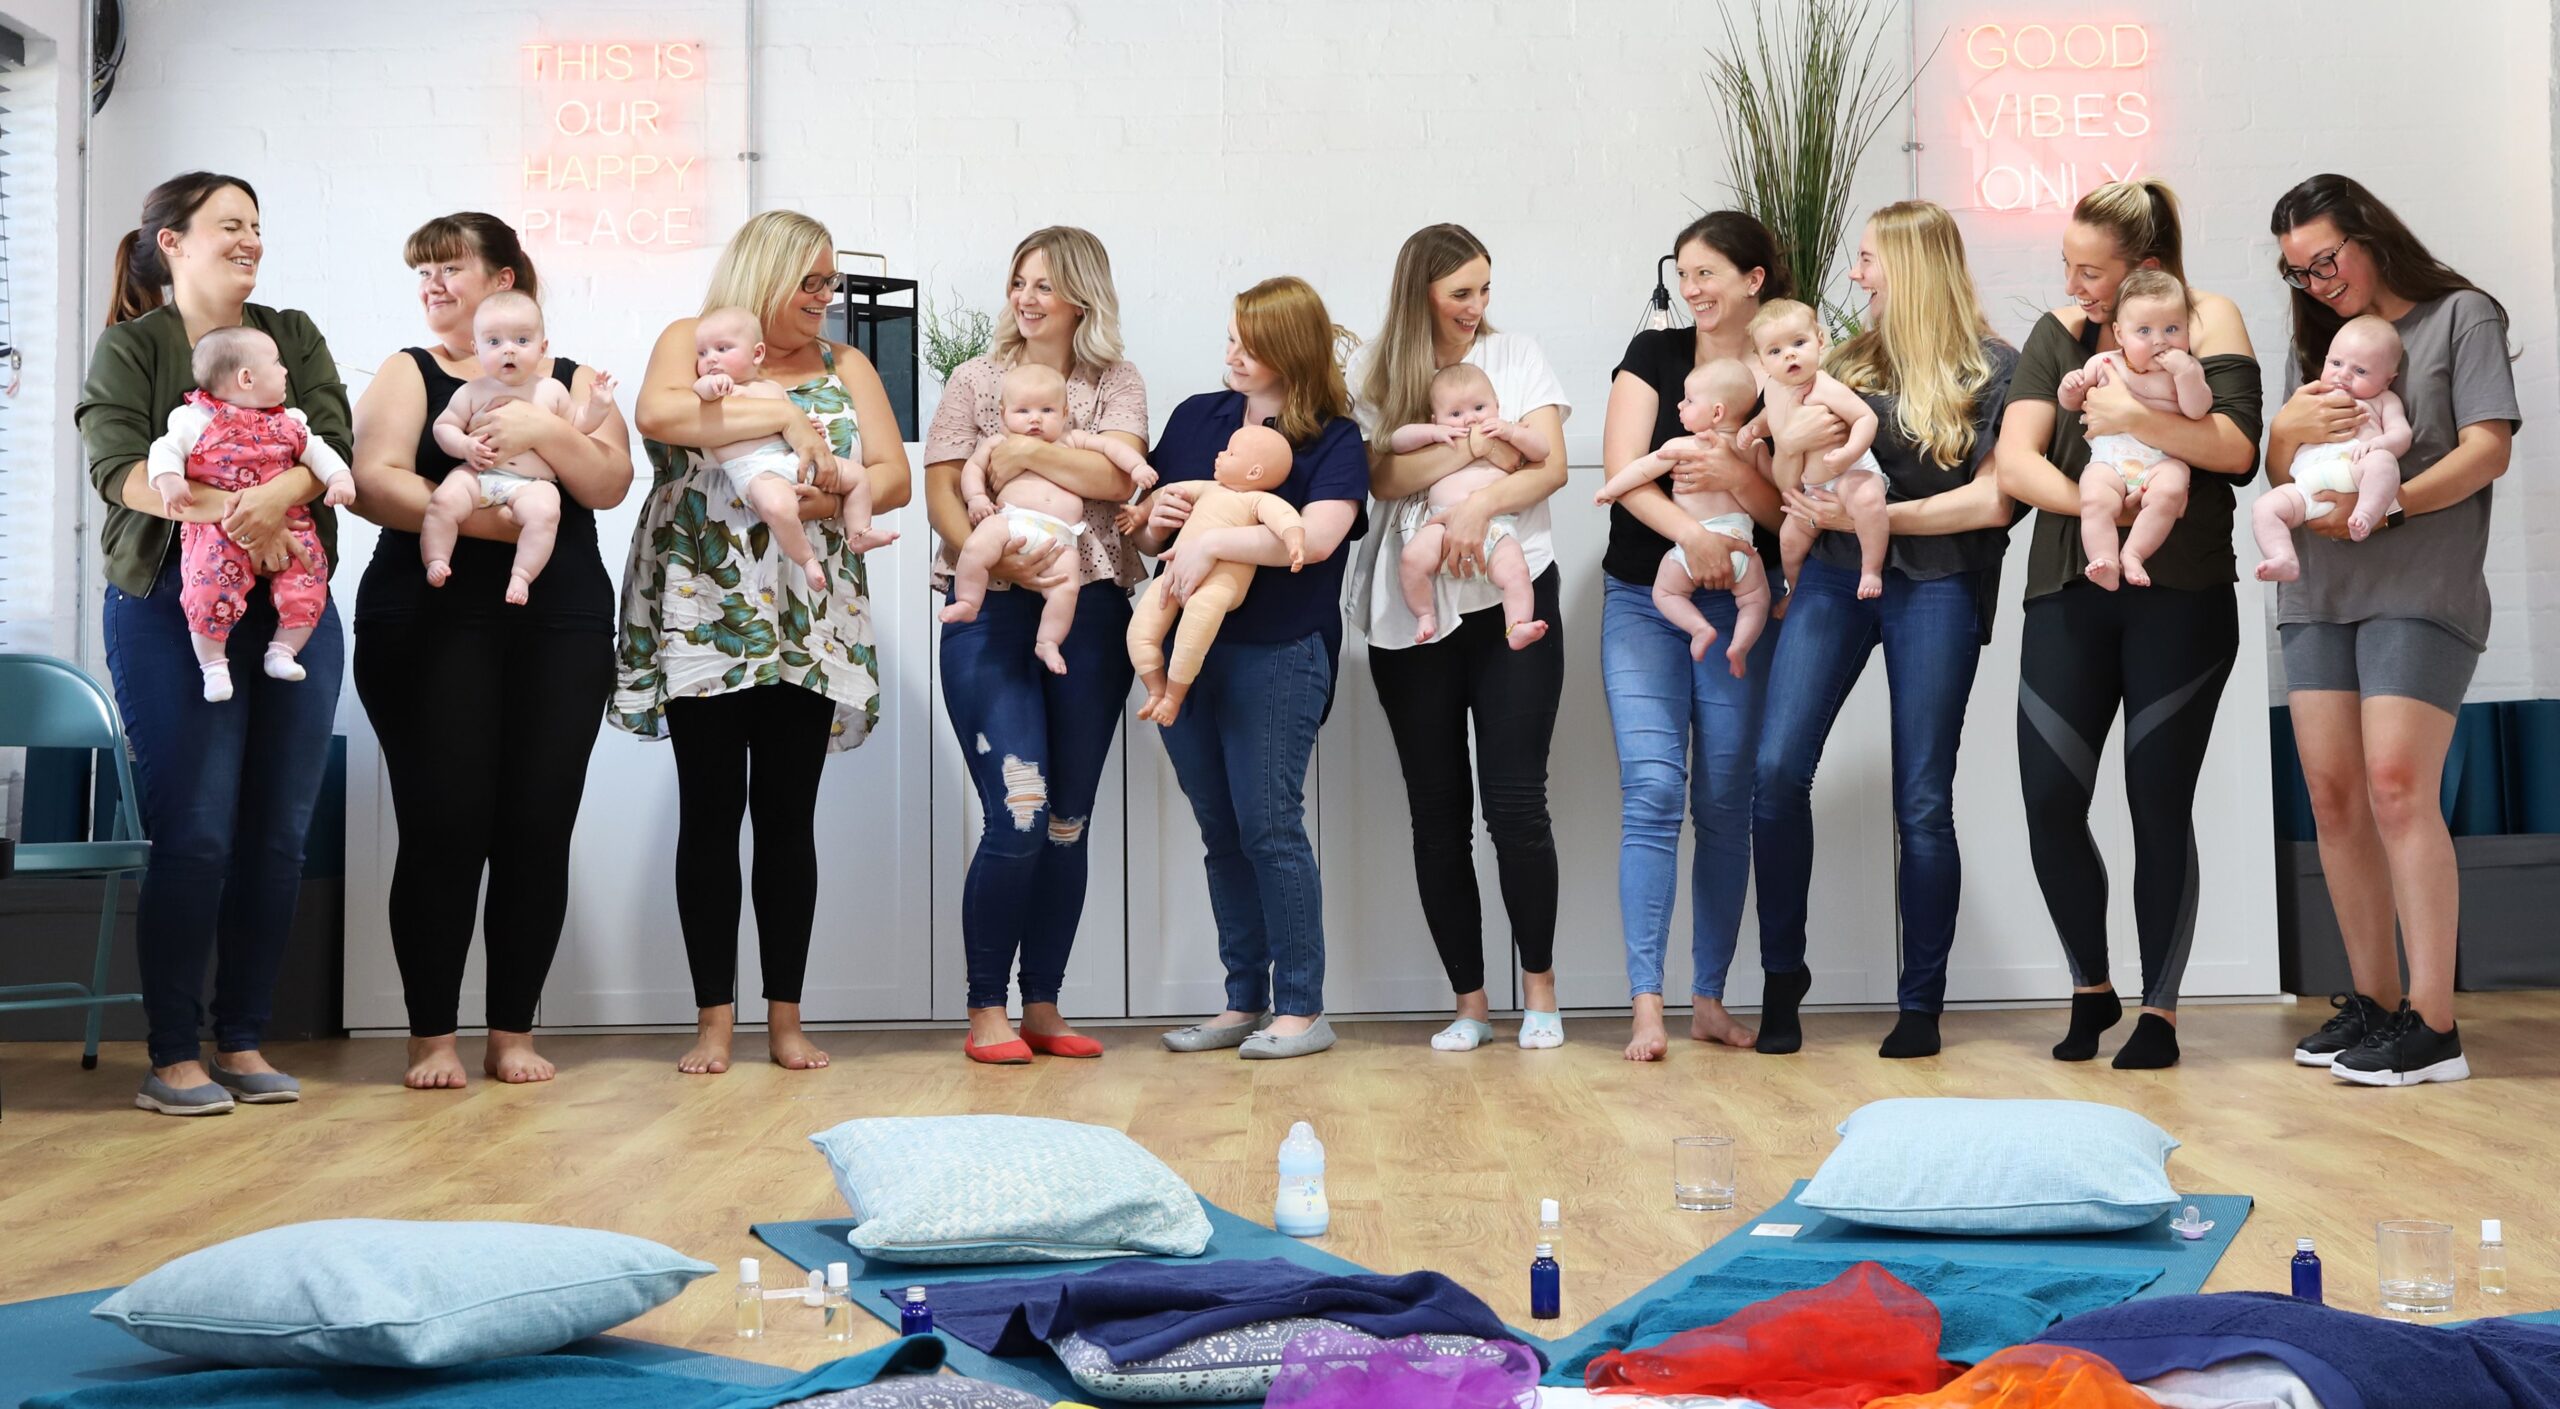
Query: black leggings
x=756 y=750
x=485 y=731
x=2163 y=656
x=1428 y=692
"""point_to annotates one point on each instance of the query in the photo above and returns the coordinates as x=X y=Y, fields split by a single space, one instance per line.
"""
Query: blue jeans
x=1929 y=631
x=1035 y=744
x=1667 y=710
x=227 y=792
x=1240 y=750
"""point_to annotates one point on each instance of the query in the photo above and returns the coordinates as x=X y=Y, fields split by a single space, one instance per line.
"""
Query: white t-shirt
x=1522 y=383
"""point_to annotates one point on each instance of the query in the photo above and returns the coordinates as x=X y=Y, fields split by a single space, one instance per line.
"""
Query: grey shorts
x=2401 y=656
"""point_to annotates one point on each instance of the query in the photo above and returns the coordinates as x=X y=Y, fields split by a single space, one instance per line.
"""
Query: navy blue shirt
x=1283 y=605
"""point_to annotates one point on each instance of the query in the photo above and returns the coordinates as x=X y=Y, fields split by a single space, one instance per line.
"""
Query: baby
x=2151 y=359
x=1256 y=461
x=1714 y=400
x=1788 y=339
x=2364 y=357
x=728 y=360
x=507 y=333
x=1462 y=407
x=1030 y=509
x=235 y=431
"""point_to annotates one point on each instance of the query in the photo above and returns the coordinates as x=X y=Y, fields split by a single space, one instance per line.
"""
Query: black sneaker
x=2356 y=1017
x=2404 y=1051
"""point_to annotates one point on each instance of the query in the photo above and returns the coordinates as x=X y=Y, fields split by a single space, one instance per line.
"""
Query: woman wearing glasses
x=2160 y=654
x=2380 y=637
x=724 y=649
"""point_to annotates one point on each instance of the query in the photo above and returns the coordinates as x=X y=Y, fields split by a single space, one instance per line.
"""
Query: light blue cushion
x=1007 y=1188
x=368 y=1291
x=1948 y=1165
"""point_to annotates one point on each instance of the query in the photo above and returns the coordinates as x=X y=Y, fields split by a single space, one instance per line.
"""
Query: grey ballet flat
x=258 y=1088
x=158 y=1095
x=1201 y=1037
x=1270 y=1046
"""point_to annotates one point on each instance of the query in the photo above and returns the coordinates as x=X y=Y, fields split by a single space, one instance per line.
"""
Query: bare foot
x=958 y=612
x=519 y=589
x=870 y=538
x=2135 y=573
x=1527 y=633
x=1870 y=586
x=1737 y=658
x=2101 y=572
x=713 y=1030
x=1709 y=1022
x=1778 y=608
x=1425 y=627
x=1047 y=651
x=1041 y=1018
x=816 y=573
x=511 y=1059
x=437 y=573
x=1701 y=643
x=791 y=1048
x=1649 y=1041
x=2280 y=570
x=2359 y=527
x=434 y=1065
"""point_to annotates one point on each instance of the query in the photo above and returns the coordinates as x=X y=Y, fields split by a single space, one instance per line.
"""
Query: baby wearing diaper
x=1788 y=340
x=1031 y=510
x=2152 y=361
x=1713 y=402
x=1464 y=411
x=507 y=335
x=2364 y=357
x=728 y=360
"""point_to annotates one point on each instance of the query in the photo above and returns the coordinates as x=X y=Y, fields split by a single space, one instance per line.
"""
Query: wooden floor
x=1435 y=1160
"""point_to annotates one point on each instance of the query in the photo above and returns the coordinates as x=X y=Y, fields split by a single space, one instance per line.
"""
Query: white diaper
x=1866 y=466
x=2329 y=467
x=777 y=459
x=1039 y=530
x=2114 y=451
x=499 y=486
x=1734 y=526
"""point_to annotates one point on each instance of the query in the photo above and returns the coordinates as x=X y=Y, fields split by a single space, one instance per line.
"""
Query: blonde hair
x=1779 y=310
x=2152 y=283
x=762 y=265
x=509 y=301
x=1724 y=380
x=2142 y=217
x=1925 y=346
x=1462 y=377
x=1080 y=270
x=220 y=355
x=1031 y=379
x=729 y=313
x=1283 y=324
x=2384 y=333
x=1396 y=383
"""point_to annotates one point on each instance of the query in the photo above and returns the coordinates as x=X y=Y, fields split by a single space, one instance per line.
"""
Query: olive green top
x=139 y=374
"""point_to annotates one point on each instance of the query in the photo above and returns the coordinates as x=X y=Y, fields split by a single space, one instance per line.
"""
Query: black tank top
x=573 y=592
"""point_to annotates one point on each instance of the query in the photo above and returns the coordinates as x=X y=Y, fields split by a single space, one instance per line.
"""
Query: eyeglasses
x=832 y=283
x=2323 y=265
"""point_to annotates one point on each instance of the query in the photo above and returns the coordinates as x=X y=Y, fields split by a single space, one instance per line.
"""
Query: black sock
x=1915 y=1034
x=1781 y=1029
x=2091 y=1015
x=2154 y=1044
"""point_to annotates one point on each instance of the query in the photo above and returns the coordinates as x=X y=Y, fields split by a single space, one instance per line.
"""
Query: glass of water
x=2414 y=1258
x=1702 y=1173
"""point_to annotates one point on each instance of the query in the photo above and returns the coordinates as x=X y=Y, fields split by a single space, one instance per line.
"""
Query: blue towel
x=519 y=1382
x=1983 y=1307
x=2350 y=1361
x=1136 y=1311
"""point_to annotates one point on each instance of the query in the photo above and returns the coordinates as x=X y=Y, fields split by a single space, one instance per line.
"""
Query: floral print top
x=710 y=605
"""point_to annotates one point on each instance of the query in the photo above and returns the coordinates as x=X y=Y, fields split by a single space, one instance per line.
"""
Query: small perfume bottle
x=1546 y=1286
x=750 y=1299
x=2493 y=1257
x=2306 y=1270
x=839 y=1317
x=915 y=1318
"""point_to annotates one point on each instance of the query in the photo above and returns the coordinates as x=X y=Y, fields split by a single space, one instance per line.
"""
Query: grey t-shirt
x=2453 y=373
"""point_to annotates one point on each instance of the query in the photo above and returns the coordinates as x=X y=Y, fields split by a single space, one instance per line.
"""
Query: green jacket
x=139 y=374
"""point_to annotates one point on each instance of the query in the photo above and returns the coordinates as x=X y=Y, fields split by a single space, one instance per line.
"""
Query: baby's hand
x=2073 y=389
x=980 y=507
x=603 y=387
x=341 y=492
x=2175 y=361
x=710 y=388
x=1296 y=538
x=1143 y=477
x=175 y=491
x=1131 y=518
x=484 y=453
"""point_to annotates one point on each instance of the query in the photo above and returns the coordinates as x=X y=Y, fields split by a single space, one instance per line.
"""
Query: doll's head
x=507 y=334
x=1787 y=339
x=2152 y=316
x=2363 y=357
x=1462 y=396
x=1256 y=457
x=1717 y=397
x=730 y=342
x=240 y=366
x=1035 y=401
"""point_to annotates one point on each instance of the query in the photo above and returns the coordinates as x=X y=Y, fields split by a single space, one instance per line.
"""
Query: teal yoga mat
x=2182 y=1265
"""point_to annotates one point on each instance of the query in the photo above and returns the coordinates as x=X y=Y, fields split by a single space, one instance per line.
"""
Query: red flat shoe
x=1065 y=1044
x=1003 y=1054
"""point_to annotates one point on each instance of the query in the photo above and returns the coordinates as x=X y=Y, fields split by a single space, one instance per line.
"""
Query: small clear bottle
x=2493 y=1257
x=839 y=1317
x=2306 y=1270
x=750 y=1299
x=915 y=1318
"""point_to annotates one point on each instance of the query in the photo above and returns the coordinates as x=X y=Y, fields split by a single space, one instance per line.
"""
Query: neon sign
x=2049 y=112
x=614 y=156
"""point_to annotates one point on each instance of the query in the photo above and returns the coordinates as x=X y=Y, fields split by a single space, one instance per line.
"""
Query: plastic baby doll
x=1255 y=462
x=1788 y=340
x=2152 y=361
x=2364 y=358
x=728 y=360
x=1463 y=407
x=1714 y=399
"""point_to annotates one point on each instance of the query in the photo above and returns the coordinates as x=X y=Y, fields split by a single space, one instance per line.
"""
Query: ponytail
x=141 y=273
x=2142 y=216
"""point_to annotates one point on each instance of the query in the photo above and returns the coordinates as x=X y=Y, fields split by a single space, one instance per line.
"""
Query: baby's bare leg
x=855 y=517
x=1203 y=612
x=1057 y=617
x=774 y=501
x=1415 y=570
x=1795 y=541
x=1509 y=569
x=1750 y=615
x=978 y=553
x=455 y=496
x=536 y=510
x=1671 y=588
x=2377 y=481
x=2101 y=499
x=2164 y=498
x=1863 y=496
x=2272 y=520
x=1149 y=620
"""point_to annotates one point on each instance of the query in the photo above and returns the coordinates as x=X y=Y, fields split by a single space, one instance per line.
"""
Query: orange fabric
x=1842 y=1345
x=2032 y=1377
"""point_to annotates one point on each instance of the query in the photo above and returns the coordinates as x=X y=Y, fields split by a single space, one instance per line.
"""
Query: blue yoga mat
x=2182 y=1265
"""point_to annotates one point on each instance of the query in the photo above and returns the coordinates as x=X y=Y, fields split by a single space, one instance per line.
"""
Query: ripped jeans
x=1035 y=744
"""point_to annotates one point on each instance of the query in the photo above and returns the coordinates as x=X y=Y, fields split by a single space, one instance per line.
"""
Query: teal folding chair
x=51 y=703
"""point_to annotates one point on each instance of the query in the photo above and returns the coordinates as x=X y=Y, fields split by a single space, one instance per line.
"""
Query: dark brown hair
x=141 y=273
x=2402 y=262
x=1740 y=237
x=481 y=236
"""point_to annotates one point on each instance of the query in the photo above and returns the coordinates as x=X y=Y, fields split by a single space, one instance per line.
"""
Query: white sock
x=1539 y=1031
x=1462 y=1035
x=281 y=665
x=217 y=681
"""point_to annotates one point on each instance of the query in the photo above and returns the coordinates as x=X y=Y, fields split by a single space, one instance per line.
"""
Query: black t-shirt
x=1661 y=358
x=572 y=594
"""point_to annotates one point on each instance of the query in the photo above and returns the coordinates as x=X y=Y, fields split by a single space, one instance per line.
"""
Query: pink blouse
x=972 y=409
